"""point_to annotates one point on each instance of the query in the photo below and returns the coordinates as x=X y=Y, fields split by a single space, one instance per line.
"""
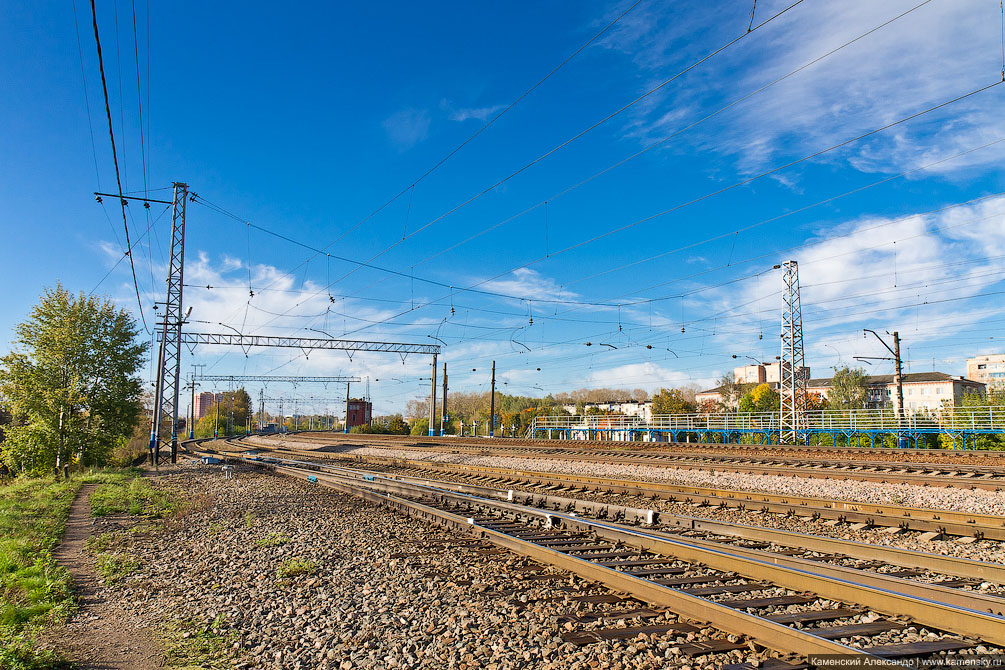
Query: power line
x=87 y=99
x=115 y=158
x=578 y=135
x=667 y=138
x=744 y=181
x=140 y=239
x=139 y=102
x=484 y=127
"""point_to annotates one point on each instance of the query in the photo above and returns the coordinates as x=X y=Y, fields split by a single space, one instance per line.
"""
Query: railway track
x=898 y=455
x=938 y=522
x=991 y=478
x=796 y=606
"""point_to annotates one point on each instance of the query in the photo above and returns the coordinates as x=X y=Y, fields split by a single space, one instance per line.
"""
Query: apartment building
x=922 y=390
x=988 y=369
x=203 y=403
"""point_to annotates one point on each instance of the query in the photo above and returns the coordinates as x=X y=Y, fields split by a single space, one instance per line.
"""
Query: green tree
x=730 y=390
x=671 y=401
x=762 y=399
x=398 y=426
x=72 y=383
x=235 y=408
x=848 y=389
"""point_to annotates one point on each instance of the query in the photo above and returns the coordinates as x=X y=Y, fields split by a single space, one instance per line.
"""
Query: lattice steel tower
x=168 y=382
x=792 y=368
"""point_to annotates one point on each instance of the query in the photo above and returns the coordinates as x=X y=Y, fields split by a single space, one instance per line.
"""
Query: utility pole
x=432 y=401
x=191 y=430
x=169 y=354
x=492 y=403
x=261 y=409
x=216 y=430
x=898 y=377
x=347 y=408
x=443 y=402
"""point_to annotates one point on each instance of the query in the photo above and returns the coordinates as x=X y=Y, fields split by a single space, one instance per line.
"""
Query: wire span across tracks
x=305 y=343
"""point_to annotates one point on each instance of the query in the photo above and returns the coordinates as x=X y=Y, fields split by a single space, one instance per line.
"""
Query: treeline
x=71 y=386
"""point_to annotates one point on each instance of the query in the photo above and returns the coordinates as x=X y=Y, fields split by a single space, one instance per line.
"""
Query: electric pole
x=167 y=386
x=216 y=430
x=443 y=403
x=191 y=430
x=792 y=386
x=898 y=377
x=432 y=401
x=492 y=403
x=347 y=408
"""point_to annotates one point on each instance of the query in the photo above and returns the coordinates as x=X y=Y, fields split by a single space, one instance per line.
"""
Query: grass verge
x=35 y=592
x=272 y=540
x=296 y=568
x=188 y=645
x=134 y=497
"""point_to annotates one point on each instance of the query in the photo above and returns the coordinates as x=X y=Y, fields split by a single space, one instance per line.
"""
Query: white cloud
x=479 y=113
x=531 y=284
x=932 y=54
x=407 y=127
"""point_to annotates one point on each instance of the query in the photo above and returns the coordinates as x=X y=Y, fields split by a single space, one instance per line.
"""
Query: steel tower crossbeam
x=792 y=386
x=304 y=400
x=168 y=384
x=306 y=344
x=277 y=378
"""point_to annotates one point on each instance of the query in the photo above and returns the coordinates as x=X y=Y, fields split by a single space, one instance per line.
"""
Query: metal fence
x=944 y=420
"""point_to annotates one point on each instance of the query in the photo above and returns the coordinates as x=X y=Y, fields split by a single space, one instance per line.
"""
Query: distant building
x=922 y=390
x=639 y=408
x=203 y=403
x=989 y=369
x=716 y=394
x=763 y=373
x=360 y=412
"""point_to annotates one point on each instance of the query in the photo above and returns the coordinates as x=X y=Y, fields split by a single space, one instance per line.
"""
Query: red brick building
x=360 y=412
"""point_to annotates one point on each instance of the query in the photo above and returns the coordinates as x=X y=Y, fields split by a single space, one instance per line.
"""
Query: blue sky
x=305 y=121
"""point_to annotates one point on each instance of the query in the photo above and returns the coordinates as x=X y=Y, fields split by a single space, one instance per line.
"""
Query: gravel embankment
x=386 y=592
x=976 y=501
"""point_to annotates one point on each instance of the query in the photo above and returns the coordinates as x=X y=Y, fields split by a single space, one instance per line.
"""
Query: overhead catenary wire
x=651 y=146
x=115 y=158
x=662 y=141
x=487 y=124
x=87 y=99
x=744 y=181
x=734 y=185
x=578 y=135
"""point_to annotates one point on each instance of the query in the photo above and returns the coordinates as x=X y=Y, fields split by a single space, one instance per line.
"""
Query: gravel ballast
x=378 y=590
x=976 y=501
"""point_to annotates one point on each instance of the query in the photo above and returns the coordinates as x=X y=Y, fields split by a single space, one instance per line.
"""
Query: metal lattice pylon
x=792 y=369
x=168 y=382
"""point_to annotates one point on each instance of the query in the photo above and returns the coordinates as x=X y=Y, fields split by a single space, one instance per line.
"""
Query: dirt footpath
x=102 y=634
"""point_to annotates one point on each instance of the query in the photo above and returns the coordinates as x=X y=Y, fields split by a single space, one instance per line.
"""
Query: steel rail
x=896 y=454
x=931 y=476
x=993 y=572
x=954 y=611
x=948 y=565
x=947 y=522
x=771 y=635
